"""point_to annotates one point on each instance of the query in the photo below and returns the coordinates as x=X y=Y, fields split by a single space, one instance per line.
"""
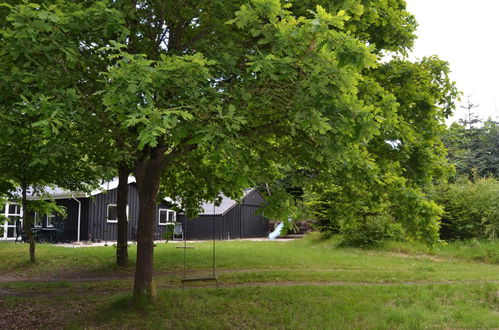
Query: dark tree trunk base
x=121 y=204
x=148 y=175
x=32 y=255
x=27 y=224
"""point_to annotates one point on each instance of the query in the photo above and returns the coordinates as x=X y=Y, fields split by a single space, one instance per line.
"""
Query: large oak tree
x=243 y=94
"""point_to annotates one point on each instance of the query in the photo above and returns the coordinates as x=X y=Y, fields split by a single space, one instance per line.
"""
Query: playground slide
x=277 y=231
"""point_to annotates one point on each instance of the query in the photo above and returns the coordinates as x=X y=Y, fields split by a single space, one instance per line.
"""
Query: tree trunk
x=27 y=224
x=148 y=174
x=121 y=206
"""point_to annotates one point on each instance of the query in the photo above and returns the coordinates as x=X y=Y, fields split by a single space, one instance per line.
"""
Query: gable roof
x=209 y=208
x=110 y=185
x=59 y=193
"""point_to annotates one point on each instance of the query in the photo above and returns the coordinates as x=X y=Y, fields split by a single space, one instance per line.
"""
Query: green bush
x=369 y=215
x=371 y=231
x=168 y=234
x=471 y=209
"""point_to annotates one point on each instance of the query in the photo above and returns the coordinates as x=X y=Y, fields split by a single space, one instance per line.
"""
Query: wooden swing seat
x=199 y=279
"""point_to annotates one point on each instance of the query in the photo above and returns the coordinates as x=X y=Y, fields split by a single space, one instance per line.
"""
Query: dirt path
x=39 y=290
x=74 y=277
x=58 y=292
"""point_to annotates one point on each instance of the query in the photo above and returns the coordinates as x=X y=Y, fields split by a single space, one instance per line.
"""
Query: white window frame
x=5 y=226
x=167 y=216
x=17 y=210
x=107 y=213
x=50 y=223
x=37 y=221
x=115 y=221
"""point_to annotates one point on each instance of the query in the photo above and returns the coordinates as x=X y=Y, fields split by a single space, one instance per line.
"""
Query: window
x=50 y=220
x=112 y=213
x=37 y=221
x=13 y=214
x=14 y=209
x=166 y=216
x=172 y=216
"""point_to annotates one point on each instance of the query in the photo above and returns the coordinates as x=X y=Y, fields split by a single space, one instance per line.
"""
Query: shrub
x=471 y=209
x=367 y=216
x=168 y=234
x=371 y=231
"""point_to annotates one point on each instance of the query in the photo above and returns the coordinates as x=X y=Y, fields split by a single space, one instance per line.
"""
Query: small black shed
x=230 y=220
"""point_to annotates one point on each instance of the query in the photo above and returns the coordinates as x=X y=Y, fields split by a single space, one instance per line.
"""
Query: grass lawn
x=309 y=283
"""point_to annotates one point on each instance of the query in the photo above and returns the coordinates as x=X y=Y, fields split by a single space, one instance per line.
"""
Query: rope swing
x=213 y=276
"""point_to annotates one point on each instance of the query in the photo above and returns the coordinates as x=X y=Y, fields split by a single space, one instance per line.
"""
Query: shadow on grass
x=381 y=307
x=123 y=309
x=128 y=304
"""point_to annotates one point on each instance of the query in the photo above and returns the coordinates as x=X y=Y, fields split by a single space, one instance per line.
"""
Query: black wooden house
x=92 y=217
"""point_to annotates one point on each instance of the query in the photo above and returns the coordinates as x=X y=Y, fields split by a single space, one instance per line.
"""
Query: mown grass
x=395 y=260
x=303 y=284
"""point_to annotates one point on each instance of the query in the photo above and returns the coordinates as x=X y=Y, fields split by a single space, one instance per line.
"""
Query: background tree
x=471 y=134
x=381 y=195
x=40 y=103
x=473 y=151
x=488 y=152
x=456 y=142
x=77 y=30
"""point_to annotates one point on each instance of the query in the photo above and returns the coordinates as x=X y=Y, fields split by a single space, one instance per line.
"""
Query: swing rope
x=206 y=278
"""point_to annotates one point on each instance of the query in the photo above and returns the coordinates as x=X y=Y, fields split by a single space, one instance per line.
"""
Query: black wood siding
x=70 y=222
x=241 y=221
x=201 y=228
x=100 y=229
x=85 y=208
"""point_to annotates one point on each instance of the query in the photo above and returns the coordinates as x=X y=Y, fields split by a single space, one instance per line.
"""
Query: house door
x=12 y=213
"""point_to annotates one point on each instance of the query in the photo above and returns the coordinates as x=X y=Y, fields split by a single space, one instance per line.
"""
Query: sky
x=466 y=34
